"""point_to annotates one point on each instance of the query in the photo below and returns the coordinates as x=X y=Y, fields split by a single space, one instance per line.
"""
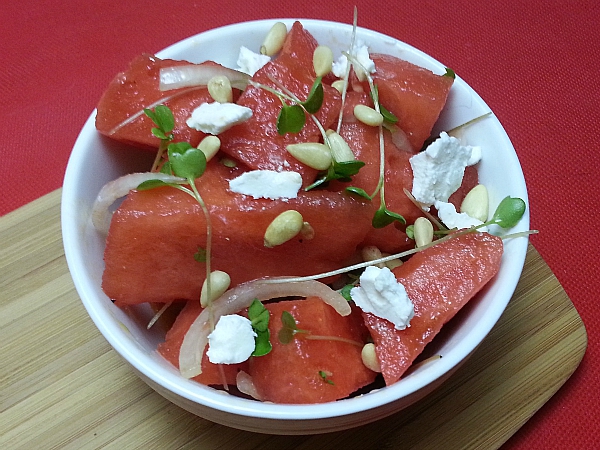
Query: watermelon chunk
x=257 y=142
x=137 y=88
x=154 y=235
x=212 y=374
x=307 y=370
x=439 y=281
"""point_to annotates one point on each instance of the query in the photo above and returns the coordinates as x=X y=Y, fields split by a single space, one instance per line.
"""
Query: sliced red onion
x=176 y=77
x=240 y=297
x=118 y=188
x=399 y=138
x=246 y=385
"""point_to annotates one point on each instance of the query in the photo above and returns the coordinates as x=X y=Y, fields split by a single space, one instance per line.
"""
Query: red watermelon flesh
x=439 y=281
x=212 y=374
x=137 y=88
x=308 y=370
x=414 y=94
x=257 y=142
x=154 y=235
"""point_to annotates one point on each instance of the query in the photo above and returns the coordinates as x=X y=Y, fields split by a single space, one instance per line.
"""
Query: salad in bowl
x=273 y=221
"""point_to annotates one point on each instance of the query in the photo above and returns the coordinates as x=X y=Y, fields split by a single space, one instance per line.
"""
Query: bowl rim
x=212 y=398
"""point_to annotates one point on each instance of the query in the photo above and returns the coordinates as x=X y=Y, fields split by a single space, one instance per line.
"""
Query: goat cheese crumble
x=452 y=219
x=232 y=340
x=214 y=118
x=361 y=53
x=438 y=171
x=267 y=184
x=250 y=62
x=380 y=293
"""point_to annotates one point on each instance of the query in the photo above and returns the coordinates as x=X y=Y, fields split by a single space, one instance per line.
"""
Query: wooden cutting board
x=62 y=386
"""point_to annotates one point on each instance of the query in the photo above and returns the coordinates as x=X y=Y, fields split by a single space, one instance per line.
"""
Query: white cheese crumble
x=452 y=219
x=267 y=184
x=250 y=62
x=438 y=171
x=232 y=340
x=379 y=293
x=361 y=53
x=214 y=118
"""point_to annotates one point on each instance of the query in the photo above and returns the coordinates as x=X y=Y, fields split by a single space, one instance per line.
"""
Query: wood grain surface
x=62 y=386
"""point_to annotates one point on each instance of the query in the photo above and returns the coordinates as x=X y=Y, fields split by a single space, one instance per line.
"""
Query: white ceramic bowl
x=94 y=161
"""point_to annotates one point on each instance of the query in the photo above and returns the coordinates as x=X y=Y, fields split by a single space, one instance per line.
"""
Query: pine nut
x=283 y=228
x=340 y=150
x=338 y=85
x=274 y=39
x=476 y=203
x=423 y=231
x=210 y=145
x=219 y=88
x=322 y=60
x=307 y=231
x=368 y=115
x=371 y=253
x=219 y=283
x=369 y=357
x=313 y=154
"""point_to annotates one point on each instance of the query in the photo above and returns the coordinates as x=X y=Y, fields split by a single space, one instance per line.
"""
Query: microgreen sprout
x=259 y=317
x=325 y=377
x=342 y=171
x=184 y=161
x=449 y=73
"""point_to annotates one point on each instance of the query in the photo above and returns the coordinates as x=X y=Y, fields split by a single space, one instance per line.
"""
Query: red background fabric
x=535 y=63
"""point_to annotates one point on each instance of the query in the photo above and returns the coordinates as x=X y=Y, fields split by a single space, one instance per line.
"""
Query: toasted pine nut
x=372 y=253
x=368 y=115
x=313 y=154
x=210 y=145
x=476 y=203
x=423 y=231
x=338 y=85
x=219 y=88
x=340 y=150
x=369 y=357
x=219 y=283
x=392 y=263
x=274 y=39
x=283 y=228
x=322 y=60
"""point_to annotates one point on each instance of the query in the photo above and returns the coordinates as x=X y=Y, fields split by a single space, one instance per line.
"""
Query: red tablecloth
x=535 y=63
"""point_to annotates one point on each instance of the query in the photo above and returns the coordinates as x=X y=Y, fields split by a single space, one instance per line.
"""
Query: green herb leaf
x=291 y=119
x=151 y=184
x=383 y=217
x=509 y=212
x=342 y=171
x=315 y=97
x=325 y=377
x=186 y=161
x=450 y=73
x=262 y=343
x=258 y=315
x=358 y=191
x=163 y=119
x=388 y=116
x=410 y=231
x=288 y=331
x=200 y=255
x=345 y=292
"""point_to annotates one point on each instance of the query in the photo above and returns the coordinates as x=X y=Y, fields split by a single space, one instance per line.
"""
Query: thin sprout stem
x=316 y=337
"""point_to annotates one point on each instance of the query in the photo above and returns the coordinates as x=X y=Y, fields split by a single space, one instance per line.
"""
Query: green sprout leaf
x=509 y=212
x=200 y=255
x=325 y=377
x=164 y=121
x=342 y=171
x=288 y=331
x=259 y=317
x=291 y=119
x=410 y=231
x=151 y=184
x=450 y=73
x=315 y=97
x=383 y=217
x=345 y=292
x=186 y=161
x=358 y=191
x=388 y=116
